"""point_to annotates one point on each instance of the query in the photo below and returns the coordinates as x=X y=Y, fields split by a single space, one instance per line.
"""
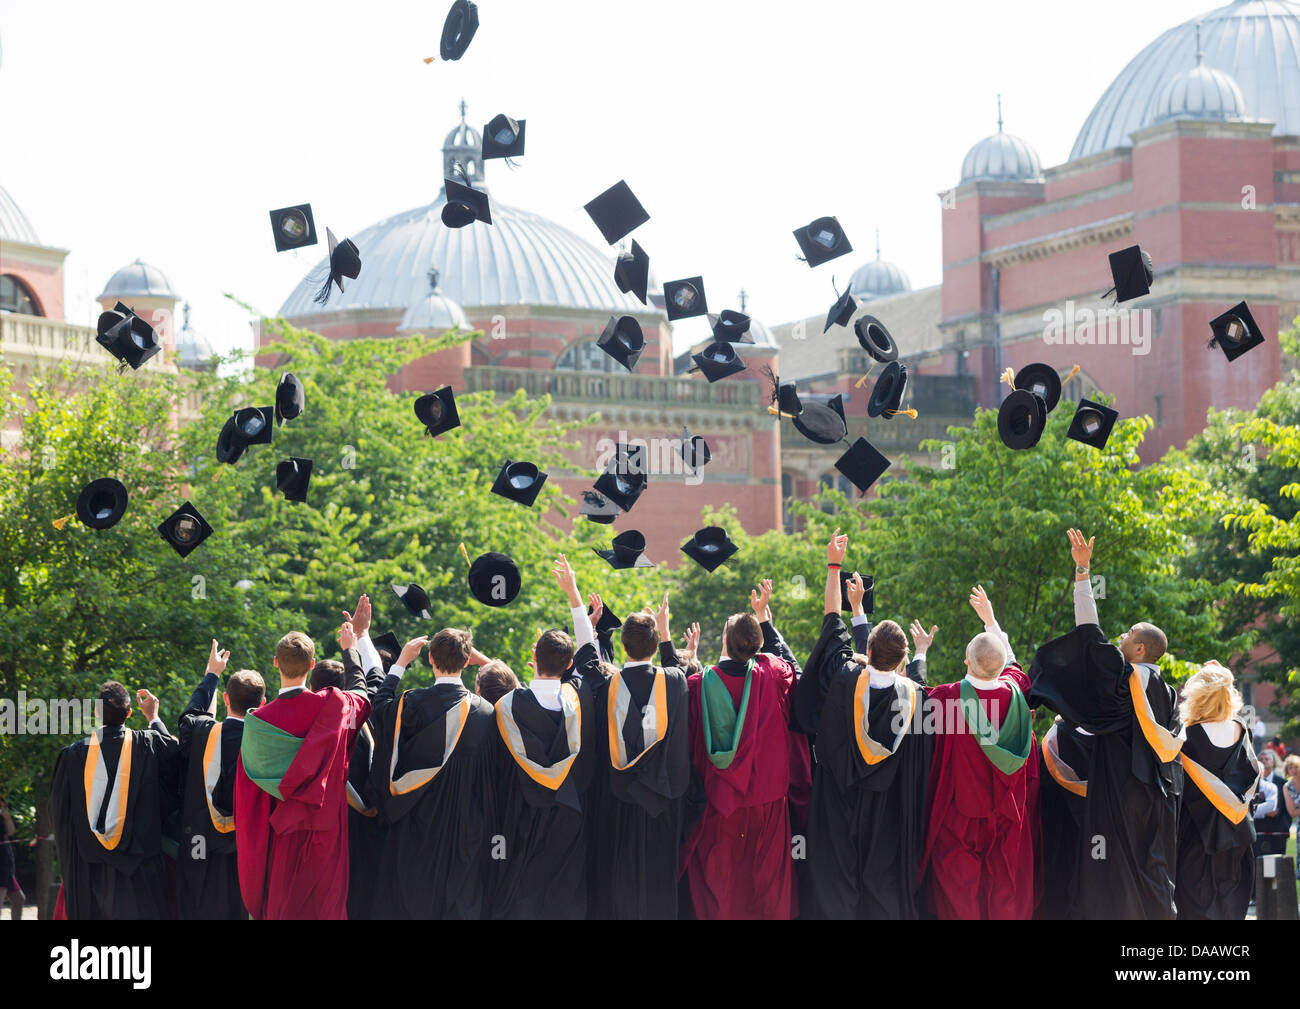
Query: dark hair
x=1152 y=639
x=742 y=637
x=245 y=691
x=553 y=653
x=886 y=646
x=114 y=702
x=386 y=657
x=326 y=673
x=449 y=650
x=640 y=636
x=495 y=680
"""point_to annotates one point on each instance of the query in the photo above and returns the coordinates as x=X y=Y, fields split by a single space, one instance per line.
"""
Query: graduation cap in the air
x=387 y=642
x=458 y=30
x=598 y=508
x=102 y=503
x=622 y=488
x=520 y=482
x=503 y=137
x=868 y=596
x=1092 y=423
x=414 y=598
x=1132 y=272
x=1021 y=419
x=875 y=339
x=822 y=240
x=622 y=340
x=494 y=579
x=229 y=448
x=1043 y=381
x=823 y=423
x=718 y=360
x=632 y=272
x=608 y=622
x=784 y=395
x=345 y=261
x=1235 y=332
x=437 y=411
x=293 y=227
x=464 y=205
x=628 y=551
x=887 y=393
x=184 y=529
x=684 y=299
x=709 y=547
x=253 y=425
x=292 y=476
x=862 y=464
x=842 y=311
x=731 y=327
x=290 y=398
x=617 y=212
x=695 y=450
x=126 y=336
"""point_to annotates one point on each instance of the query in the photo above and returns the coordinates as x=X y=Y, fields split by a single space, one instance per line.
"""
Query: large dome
x=1255 y=42
x=14 y=226
x=138 y=280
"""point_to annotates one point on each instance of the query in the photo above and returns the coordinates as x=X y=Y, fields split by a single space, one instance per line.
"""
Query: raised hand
x=567 y=580
x=921 y=641
x=597 y=608
x=347 y=635
x=148 y=704
x=360 y=618
x=979 y=600
x=217 y=659
x=856 y=590
x=477 y=658
x=411 y=651
x=836 y=548
x=760 y=598
x=692 y=641
x=661 y=620
x=1080 y=549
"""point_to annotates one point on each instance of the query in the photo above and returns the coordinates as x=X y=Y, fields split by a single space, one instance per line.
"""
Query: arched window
x=15 y=296
x=587 y=356
x=1081 y=386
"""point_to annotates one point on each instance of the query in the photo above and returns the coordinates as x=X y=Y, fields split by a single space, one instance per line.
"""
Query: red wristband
x=832 y=565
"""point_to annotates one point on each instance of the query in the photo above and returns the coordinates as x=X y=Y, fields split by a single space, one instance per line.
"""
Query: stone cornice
x=1095 y=233
x=995 y=221
x=21 y=252
x=1203 y=129
x=1068 y=170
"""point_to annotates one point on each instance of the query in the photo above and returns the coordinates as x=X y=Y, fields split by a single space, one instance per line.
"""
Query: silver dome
x=878 y=279
x=14 y=226
x=193 y=351
x=138 y=280
x=1199 y=92
x=434 y=313
x=1256 y=42
x=1001 y=157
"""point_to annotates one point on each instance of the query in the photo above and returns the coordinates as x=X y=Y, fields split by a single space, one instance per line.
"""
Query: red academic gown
x=293 y=854
x=737 y=860
x=979 y=854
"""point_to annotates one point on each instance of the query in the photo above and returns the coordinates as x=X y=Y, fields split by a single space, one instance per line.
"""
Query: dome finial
x=999 y=113
x=433 y=279
x=877 y=244
x=1199 y=54
x=463 y=109
x=744 y=300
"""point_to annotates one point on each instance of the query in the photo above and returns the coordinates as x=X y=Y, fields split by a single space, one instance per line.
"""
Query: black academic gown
x=539 y=860
x=127 y=882
x=438 y=843
x=207 y=871
x=366 y=829
x=866 y=821
x=1216 y=863
x=1064 y=757
x=635 y=814
x=1127 y=850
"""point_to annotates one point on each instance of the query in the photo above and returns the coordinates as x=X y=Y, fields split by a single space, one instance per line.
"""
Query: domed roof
x=193 y=351
x=760 y=334
x=434 y=313
x=14 y=226
x=138 y=280
x=1256 y=42
x=878 y=279
x=1001 y=157
x=1199 y=92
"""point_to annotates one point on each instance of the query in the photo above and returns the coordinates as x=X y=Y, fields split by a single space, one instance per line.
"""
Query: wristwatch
x=1080 y=569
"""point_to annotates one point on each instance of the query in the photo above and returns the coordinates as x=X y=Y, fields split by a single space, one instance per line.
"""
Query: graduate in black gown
x=1216 y=828
x=434 y=783
x=866 y=828
x=1127 y=850
x=1065 y=753
x=207 y=871
x=110 y=840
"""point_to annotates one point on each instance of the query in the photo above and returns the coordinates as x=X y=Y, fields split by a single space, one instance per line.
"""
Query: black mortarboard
x=229 y=448
x=519 y=481
x=1132 y=273
x=126 y=336
x=622 y=340
x=1092 y=423
x=415 y=599
x=695 y=450
x=617 y=212
x=493 y=579
x=1043 y=381
x=632 y=272
x=387 y=642
x=731 y=327
x=709 y=547
x=608 y=622
x=684 y=299
x=868 y=595
x=598 y=508
x=1235 y=332
x=629 y=459
x=887 y=393
x=458 y=29
x=622 y=489
x=876 y=339
x=1021 y=419
x=184 y=529
x=253 y=425
x=345 y=261
x=718 y=360
x=842 y=311
x=437 y=411
x=785 y=395
x=862 y=464
x=292 y=476
x=823 y=423
x=503 y=137
x=102 y=503
x=293 y=227
x=628 y=551
x=822 y=240
x=290 y=398
x=464 y=205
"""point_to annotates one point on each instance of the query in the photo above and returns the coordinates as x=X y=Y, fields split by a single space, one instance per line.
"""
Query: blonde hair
x=1291 y=765
x=987 y=655
x=1209 y=696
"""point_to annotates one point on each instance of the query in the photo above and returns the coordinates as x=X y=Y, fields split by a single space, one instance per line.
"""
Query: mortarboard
x=862 y=464
x=731 y=327
x=709 y=547
x=617 y=212
x=695 y=450
x=458 y=29
x=1132 y=272
x=229 y=448
x=823 y=423
x=842 y=311
x=608 y=622
x=437 y=411
x=622 y=488
x=822 y=240
x=622 y=340
x=293 y=227
x=876 y=339
x=598 y=508
x=414 y=598
x=1092 y=423
x=184 y=529
x=1235 y=332
x=887 y=393
x=632 y=272
x=102 y=503
x=292 y=476
x=1021 y=419
x=252 y=425
x=345 y=261
x=718 y=360
x=628 y=551
x=1043 y=381
x=387 y=642
x=868 y=596
x=126 y=336
x=503 y=137
x=520 y=482
x=464 y=205
x=290 y=398
x=493 y=579
x=684 y=299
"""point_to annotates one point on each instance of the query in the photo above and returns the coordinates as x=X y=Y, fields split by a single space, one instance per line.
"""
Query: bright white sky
x=167 y=130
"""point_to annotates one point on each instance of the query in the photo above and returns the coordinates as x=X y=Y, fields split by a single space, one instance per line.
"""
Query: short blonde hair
x=294 y=654
x=1291 y=765
x=1209 y=696
x=987 y=654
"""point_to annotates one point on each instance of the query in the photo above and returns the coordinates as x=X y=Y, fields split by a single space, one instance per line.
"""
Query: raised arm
x=834 y=558
x=773 y=643
x=861 y=625
x=202 y=706
x=604 y=638
x=1085 y=607
x=921 y=642
x=387 y=692
x=983 y=607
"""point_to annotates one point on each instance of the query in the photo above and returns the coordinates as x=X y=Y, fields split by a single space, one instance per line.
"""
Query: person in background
x=8 y=871
x=494 y=680
x=1272 y=827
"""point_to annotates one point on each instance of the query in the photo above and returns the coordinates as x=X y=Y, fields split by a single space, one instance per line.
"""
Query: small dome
x=878 y=278
x=138 y=280
x=434 y=313
x=1001 y=158
x=194 y=352
x=760 y=334
x=14 y=226
x=1199 y=92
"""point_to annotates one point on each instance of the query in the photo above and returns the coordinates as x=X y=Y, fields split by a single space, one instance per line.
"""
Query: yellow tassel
x=217 y=475
x=1073 y=371
x=464 y=553
x=860 y=382
x=909 y=412
x=430 y=59
x=60 y=523
x=777 y=413
x=1009 y=376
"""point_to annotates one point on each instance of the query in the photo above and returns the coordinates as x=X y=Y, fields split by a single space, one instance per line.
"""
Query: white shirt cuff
x=919 y=657
x=396 y=669
x=859 y=620
x=369 y=653
x=582 y=630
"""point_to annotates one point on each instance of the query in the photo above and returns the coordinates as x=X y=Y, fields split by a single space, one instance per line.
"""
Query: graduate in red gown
x=978 y=861
x=737 y=859
x=290 y=790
